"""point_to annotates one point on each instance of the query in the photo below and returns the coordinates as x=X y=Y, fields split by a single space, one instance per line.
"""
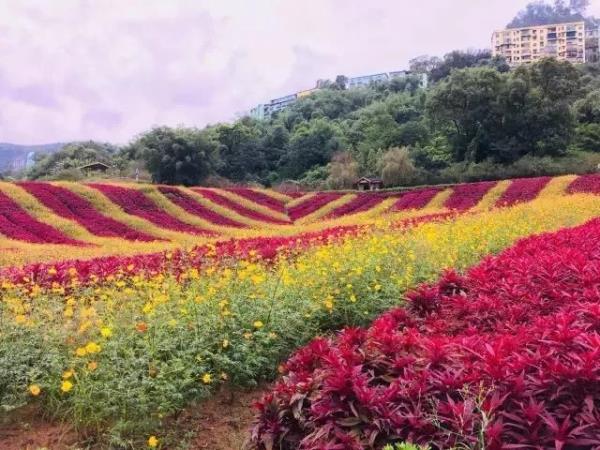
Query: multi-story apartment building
x=564 y=41
x=366 y=80
x=592 y=44
x=265 y=110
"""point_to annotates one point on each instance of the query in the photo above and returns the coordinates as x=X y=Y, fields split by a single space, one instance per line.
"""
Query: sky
x=109 y=70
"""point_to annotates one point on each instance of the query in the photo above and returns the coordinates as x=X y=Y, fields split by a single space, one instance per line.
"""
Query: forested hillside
x=475 y=120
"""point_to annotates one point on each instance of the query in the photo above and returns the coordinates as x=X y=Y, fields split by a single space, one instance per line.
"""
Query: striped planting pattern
x=102 y=219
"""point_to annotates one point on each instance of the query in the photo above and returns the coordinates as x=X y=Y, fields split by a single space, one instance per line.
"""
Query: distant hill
x=14 y=156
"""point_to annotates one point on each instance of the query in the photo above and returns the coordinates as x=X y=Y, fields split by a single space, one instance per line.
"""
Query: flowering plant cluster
x=260 y=198
x=362 y=202
x=68 y=204
x=221 y=200
x=522 y=190
x=587 y=184
x=136 y=203
x=506 y=356
x=16 y=224
x=312 y=204
x=122 y=351
x=466 y=196
x=184 y=201
x=416 y=199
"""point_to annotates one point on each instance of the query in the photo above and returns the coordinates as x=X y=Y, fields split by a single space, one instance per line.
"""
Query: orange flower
x=142 y=327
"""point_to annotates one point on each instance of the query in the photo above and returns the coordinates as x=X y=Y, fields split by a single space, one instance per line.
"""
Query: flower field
x=470 y=312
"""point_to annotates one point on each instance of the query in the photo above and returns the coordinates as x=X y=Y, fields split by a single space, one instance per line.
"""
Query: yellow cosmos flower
x=68 y=374
x=106 y=332
x=81 y=352
x=153 y=442
x=207 y=378
x=20 y=319
x=92 y=347
x=66 y=386
x=35 y=390
x=258 y=324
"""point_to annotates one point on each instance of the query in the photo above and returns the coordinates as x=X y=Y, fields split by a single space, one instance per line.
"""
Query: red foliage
x=416 y=199
x=15 y=223
x=221 y=200
x=312 y=204
x=186 y=202
x=522 y=190
x=136 y=203
x=362 y=202
x=69 y=205
x=587 y=184
x=514 y=344
x=466 y=196
x=260 y=198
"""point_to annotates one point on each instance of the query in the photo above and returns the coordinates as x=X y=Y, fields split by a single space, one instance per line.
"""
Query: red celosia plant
x=221 y=200
x=15 y=223
x=586 y=184
x=466 y=196
x=136 y=203
x=260 y=198
x=505 y=357
x=362 y=202
x=311 y=204
x=186 y=202
x=522 y=190
x=68 y=204
x=416 y=199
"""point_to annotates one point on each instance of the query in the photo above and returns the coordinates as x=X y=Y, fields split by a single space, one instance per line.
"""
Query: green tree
x=311 y=144
x=397 y=168
x=71 y=157
x=465 y=106
x=177 y=155
x=343 y=171
x=241 y=151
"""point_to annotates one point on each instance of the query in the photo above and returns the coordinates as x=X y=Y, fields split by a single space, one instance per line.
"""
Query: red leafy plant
x=68 y=204
x=505 y=357
x=522 y=190
x=134 y=202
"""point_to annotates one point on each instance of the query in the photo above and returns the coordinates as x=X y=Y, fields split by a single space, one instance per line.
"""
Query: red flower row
x=97 y=270
x=522 y=190
x=509 y=353
x=15 y=223
x=186 y=202
x=260 y=198
x=362 y=202
x=586 y=184
x=312 y=204
x=221 y=200
x=136 y=203
x=71 y=206
x=466 y=196
x=416 y=199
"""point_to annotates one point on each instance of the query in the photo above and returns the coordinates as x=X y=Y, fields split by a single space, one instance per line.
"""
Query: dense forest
x=476 y=120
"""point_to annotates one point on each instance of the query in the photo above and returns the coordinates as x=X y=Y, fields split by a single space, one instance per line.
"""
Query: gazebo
x=369 y=184
x=94 y=167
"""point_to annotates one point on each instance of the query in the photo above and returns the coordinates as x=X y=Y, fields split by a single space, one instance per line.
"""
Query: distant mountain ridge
x=14 y=156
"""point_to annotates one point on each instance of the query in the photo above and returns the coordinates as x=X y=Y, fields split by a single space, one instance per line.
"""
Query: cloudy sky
x=108 y=70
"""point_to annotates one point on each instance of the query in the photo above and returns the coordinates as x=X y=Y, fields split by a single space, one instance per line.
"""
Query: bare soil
x=219 y=423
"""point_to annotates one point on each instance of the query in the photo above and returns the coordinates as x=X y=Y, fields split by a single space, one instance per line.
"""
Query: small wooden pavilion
x=369 y=184
x=94 y=167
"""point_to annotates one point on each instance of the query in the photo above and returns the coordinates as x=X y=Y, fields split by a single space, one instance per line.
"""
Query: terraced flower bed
x=468 y=312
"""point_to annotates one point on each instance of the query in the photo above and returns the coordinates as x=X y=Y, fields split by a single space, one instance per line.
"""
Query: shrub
x=504 y=357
